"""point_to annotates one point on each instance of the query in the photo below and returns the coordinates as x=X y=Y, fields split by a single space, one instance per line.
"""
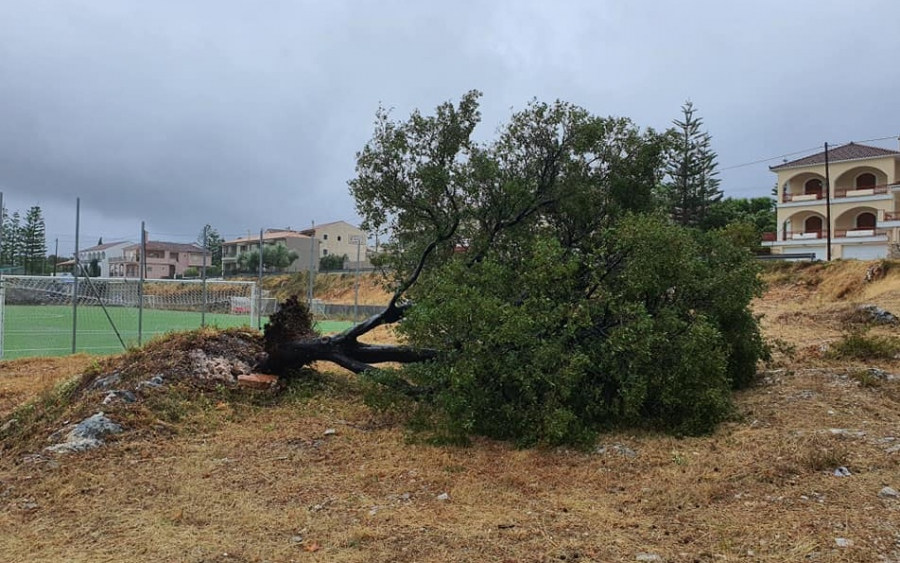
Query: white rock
x=843 y=542
x=443 y=496
x=888 y=492
x=330 y=432
x=647 y=557
x=842 y=472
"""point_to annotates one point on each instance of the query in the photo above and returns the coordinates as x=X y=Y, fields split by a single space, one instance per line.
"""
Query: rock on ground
x=85 y=435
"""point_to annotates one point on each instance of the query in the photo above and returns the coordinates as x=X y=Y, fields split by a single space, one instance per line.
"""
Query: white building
x=102 y=254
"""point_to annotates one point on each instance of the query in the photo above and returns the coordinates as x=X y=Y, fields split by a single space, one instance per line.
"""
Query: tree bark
x=343 y=349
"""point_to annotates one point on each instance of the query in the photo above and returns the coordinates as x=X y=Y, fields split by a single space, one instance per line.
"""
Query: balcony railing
x=856 y=192
x=866 y=232
x=840 y=193
x=802 y=197
x=892 y=215
x=791 y=235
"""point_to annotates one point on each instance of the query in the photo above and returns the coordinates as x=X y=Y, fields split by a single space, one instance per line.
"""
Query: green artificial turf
x=46 y=330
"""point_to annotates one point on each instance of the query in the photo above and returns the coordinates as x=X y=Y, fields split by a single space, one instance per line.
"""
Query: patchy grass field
x=233 y=476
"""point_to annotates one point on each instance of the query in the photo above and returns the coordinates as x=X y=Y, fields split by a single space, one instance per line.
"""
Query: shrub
x=857 y=344
x=662 y=338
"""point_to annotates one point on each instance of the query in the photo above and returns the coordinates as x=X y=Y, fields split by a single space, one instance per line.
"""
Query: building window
x=173 y=256
x=324 y=252
x=865 y=221
x=866 y=180
x=813 y=186
x=812 y=225
x=339 y=238
x=325 y=237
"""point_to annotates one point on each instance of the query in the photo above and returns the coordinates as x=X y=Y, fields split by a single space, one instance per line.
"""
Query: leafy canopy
x=558 y=301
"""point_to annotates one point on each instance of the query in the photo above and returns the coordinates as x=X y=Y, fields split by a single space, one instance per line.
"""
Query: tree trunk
x=291 y=343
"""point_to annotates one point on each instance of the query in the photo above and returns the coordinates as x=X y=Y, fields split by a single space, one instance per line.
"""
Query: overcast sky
x=247 y=114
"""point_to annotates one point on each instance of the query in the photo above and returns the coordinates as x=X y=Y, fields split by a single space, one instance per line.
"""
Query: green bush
x=858 y=344
x=661 y=341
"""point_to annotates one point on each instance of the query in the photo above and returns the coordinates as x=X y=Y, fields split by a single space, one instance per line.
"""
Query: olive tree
x=541 y=297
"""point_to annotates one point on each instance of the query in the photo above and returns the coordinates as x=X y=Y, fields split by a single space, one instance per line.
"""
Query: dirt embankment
x=331 y=287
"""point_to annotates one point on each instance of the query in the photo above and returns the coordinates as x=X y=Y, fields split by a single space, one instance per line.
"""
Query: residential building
x=341 y=238
x=302 y=244
x=102 y=253
x=164 y=260
x=864 y=204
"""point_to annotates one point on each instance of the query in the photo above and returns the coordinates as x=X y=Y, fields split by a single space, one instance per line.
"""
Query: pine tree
x=210 y=238
x=14 y=241
x=5 y=238
x=34 y=242
x=693 y=184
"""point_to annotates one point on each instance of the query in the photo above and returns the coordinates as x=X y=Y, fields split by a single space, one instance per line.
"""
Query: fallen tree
x=542 y=295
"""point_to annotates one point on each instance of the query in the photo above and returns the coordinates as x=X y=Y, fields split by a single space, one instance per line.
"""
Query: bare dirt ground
x=313 y=474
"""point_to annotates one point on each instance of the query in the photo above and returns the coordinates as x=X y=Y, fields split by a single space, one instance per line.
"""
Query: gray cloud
x=245 y=114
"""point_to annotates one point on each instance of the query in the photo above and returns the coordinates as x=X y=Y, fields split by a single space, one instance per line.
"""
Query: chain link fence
x=50 y=316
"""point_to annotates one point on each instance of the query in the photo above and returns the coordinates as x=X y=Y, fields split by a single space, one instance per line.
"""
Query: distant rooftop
x=850 y=151
x=103 y=246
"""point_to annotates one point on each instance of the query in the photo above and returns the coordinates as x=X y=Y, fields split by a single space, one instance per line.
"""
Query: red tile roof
x=850 y=151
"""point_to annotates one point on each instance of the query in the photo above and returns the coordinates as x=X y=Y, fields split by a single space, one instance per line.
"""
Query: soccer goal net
x=45 y=315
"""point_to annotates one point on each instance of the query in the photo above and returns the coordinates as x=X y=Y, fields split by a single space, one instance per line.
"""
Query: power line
x=762 y=160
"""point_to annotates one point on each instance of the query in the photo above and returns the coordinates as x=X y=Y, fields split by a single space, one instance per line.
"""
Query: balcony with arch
x=802 y=226
x=807 y=187
x=861 y=181
x=860 y=222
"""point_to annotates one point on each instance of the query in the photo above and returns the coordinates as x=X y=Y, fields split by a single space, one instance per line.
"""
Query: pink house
x=165 y=260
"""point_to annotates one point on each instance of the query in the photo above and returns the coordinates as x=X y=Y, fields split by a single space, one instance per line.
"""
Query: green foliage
x=93 y=269
x=192 y=272
x=558 y=303
x=858 y=344
x=34 y=242
x=275 y=258
x=332 y=262
x=757 y=211
x=693 y=187
x=210 y=239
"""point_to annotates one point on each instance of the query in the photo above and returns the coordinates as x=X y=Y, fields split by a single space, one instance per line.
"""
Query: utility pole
x=827 y=207
x=55 y=255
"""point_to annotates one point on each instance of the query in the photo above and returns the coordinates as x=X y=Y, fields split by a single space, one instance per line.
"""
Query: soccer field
x=46 y=330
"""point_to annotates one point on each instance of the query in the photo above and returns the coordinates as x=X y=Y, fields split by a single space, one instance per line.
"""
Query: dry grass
x=20 y=380
x=262 y=482
x=332 y=287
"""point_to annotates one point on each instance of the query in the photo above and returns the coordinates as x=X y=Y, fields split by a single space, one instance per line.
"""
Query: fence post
x=142 y=260
x=259 y=283
x=75 y=277
x=203 y=274
x=255 y=312
x=2 y=313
